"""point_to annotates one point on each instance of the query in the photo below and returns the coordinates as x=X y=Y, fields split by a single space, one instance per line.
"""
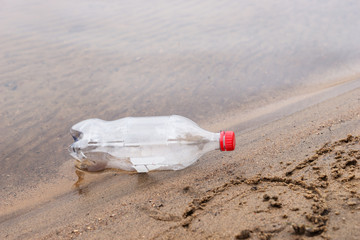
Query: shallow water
x=62 y=62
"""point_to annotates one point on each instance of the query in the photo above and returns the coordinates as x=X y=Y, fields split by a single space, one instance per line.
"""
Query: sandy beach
x=283 y=76
x=292 y=178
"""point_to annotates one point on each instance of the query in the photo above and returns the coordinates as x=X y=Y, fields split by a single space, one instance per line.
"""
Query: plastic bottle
x=144 y=144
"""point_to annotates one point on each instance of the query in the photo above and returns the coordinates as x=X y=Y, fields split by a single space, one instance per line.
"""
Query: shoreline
x=159 y=200
x=247 y=120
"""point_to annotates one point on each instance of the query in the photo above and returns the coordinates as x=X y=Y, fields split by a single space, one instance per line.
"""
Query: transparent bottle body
x=140 y=144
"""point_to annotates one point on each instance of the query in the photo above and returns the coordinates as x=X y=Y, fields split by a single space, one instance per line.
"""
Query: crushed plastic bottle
x=144 y=144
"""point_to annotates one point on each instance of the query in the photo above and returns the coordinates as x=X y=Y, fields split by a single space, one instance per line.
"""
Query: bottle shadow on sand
x=85 y=179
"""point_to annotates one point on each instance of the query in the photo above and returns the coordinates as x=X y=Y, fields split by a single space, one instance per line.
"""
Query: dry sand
x=294 y=178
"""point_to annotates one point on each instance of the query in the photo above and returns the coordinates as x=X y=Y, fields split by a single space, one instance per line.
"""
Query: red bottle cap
x=227 y=141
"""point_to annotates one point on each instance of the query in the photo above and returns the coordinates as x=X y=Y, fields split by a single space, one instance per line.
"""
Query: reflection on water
x=80 y=180
x=65 y=61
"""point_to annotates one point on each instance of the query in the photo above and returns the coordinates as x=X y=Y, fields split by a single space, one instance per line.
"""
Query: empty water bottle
x=144 y=144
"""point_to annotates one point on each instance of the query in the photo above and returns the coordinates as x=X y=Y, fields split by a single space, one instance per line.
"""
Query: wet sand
x=292 y=178
x=284 y=77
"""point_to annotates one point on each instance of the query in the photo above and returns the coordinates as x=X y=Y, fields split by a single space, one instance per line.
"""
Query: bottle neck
x=215 y=141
